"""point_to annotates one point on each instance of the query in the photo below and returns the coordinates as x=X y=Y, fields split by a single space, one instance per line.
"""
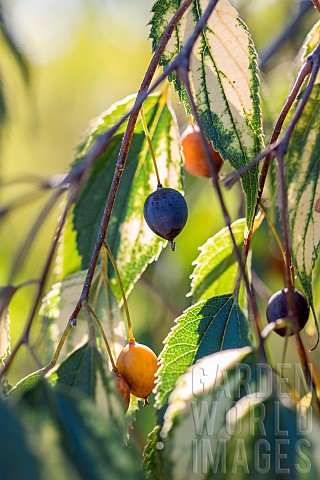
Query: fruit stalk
x=146 y=131
x=113 y=261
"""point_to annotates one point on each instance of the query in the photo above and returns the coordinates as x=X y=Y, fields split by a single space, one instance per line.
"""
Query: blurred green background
x=83 y=56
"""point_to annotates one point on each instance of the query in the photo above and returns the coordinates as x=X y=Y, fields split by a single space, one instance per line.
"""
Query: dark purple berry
x=166 y=213
x=277 y=309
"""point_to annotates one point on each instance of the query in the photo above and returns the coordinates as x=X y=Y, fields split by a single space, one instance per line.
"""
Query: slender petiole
x=59 y=347
x=104 y=337
x=146 y=131
x=113 y=261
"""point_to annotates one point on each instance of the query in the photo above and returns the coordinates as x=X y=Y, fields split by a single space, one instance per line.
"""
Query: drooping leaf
x=90 y=442
x=198 y=406
x=205 y=328
x=79 y=370
x=13 y=444
x=303 y=184
x=131 y=241
x=312 y=40
x=224 y=81
x=226 y=421
x=152 y=460
x=216 y=270
x=27 y=382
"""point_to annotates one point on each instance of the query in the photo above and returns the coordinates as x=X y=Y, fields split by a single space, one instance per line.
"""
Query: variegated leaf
x=224 y=81
x=312 y=40
x=303 y=172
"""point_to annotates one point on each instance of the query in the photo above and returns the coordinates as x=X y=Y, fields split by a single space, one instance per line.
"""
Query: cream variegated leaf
x=59 y=303
x=224 y=81
x=303 y=182
x=130 y=239
x=312 y=40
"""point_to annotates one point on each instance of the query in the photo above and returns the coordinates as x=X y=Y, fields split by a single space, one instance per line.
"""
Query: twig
x=20 y=202
x=316 y=3
x=103 y=140
x=183 y=75
x=268 y=152
x=24 y=338
x=285 y=34
x=16 y=264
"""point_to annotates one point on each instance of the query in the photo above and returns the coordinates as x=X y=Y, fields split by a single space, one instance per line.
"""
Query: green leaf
x=198 y=406
x=224 y=80
x=90 y=442
x=270 y=441
x=132 y=243
x=205 y=328
x=216 y=269
x=225 y=421
x=17 y=461
x=152 y=459
x=28 y=382
x=303 y=186
x=79 y=370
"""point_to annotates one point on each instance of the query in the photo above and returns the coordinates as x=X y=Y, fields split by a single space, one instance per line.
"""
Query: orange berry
x=122 y=388
x=194 y=154
x=138 y=364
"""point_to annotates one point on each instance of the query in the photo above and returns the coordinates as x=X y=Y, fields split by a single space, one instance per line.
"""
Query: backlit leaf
x=224 y=81
x=312 y=40
x=131 y=241
x=79 y=370
x=205 y=328
x=59 y=303
x=216 y=269
x=303 y=182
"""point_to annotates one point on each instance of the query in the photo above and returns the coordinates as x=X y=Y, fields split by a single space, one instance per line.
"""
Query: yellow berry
x=138 y=364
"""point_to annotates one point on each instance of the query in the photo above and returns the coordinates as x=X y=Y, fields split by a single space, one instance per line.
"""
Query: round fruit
x=166 y=213
x=277 y=309
x=138 y=365
x=122 y=388
x=194 y=153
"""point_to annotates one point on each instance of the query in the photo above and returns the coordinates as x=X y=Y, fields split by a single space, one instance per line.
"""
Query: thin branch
x=28 y=197
x=287 y=33
x=23 y=251
x=183 y=75
x=316 y=3
x=268 y=152
x=103 y=140
x=24 y=338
